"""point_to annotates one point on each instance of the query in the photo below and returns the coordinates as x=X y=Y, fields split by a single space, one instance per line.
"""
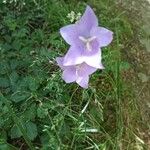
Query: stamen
x=87 y=42
x=83 y=39
x=91 y=38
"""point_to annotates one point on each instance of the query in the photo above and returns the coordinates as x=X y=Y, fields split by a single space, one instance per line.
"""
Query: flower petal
x=94 y=60
x=59 y=61
x=104 y=36
x=69 y=75
x=83 y=81
x=70 y=34
x=86 y=70
x=73 y=56
x=88 y=20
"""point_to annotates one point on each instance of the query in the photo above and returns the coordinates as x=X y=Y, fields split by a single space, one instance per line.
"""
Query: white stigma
x=87 y=42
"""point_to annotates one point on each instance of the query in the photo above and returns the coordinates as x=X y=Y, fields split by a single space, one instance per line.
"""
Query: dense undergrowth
x=37 y=109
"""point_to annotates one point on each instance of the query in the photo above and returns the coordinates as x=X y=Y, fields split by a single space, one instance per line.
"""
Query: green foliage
x=30 y=128
x=15 y=132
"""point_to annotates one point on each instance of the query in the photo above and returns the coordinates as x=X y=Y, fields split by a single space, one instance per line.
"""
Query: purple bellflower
x=85 y=39
x=76 y=73
x=83 y=58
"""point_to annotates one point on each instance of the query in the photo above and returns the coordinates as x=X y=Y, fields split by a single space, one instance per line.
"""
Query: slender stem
x=18 y=122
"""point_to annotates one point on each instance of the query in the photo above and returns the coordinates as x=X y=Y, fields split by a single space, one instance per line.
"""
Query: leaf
x=41 y=112
x=6 y=47
x=4 y=67
x=3 y=135
x=15 y=132
x=20 y=96
x=22 y=84
x=44 y=138
x=17 y=44
x=4 y=82
x=10 y=22
x=31 y=130
x=14 y=63
x=4 y=146
x=20 y=33
x=29 y=113
x=13 y=77
x=32 y=83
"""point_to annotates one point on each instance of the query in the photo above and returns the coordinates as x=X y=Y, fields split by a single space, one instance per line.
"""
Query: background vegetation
x=37 y=109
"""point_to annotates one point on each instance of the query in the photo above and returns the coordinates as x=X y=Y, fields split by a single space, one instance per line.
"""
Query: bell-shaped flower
x=76 y=73
x=76 y=56
x=86 y=38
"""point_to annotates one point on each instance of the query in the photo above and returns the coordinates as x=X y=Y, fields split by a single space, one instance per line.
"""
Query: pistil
x=87 y=42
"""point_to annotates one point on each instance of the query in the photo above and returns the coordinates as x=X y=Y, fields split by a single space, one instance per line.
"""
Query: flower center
x=87 y=42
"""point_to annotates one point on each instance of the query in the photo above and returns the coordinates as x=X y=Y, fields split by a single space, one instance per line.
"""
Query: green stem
x=17 y=121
